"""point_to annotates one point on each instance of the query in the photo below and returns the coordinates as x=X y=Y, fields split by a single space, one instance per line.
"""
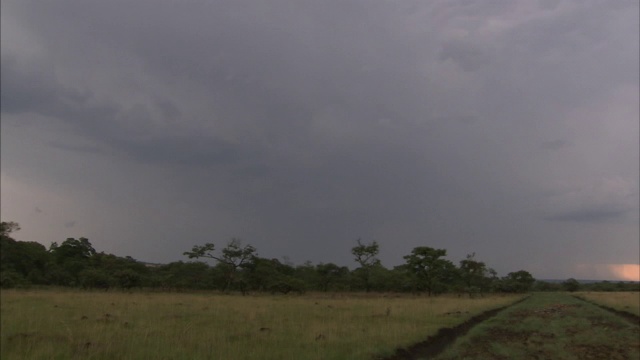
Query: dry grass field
x=48 y=324
x=624 y=301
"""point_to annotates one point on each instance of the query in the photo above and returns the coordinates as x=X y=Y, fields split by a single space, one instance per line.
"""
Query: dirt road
x=544 y=326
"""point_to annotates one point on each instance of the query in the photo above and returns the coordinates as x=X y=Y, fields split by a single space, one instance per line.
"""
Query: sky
x=504 y=128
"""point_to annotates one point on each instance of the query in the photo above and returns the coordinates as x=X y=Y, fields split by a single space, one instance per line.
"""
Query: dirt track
x=543 y=326
x=435 y=344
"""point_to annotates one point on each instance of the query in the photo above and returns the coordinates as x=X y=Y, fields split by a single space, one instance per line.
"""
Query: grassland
x=623 y=301
x=550 y=326
x=48 y=324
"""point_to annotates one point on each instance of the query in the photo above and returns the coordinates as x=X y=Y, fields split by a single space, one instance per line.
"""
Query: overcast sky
x=505 y=128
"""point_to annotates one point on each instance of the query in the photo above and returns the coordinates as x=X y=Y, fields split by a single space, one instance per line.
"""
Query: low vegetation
x=239 y=268
x=71 y=324
x=550 y=326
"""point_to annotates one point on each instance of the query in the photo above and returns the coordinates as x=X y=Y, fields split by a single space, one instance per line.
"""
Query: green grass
x=97 y=325
x=550 y=326
x=624 y=301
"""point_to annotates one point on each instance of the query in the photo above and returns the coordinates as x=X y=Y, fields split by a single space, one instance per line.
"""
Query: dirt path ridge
x=435 y=344
x=635 y=319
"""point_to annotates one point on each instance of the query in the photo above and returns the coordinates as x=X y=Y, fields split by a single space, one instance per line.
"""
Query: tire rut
x=633 y=318
x=437 y=343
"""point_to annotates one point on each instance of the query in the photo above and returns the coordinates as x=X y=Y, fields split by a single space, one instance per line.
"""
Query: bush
x=10 y=279
x=286 y=284
x=128 y=279
x=571 y=285
x=95 y=279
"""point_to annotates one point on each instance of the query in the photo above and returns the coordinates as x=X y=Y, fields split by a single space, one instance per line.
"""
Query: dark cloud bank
x=506 y=128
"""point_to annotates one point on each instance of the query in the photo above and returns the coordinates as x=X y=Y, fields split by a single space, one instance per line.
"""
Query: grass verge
x=623 y=301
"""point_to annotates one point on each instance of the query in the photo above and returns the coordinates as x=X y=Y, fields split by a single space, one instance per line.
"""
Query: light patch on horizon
x=621 y=272
x=628 y=272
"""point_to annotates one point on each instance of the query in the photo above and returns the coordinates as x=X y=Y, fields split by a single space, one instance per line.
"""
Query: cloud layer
x=506 y=129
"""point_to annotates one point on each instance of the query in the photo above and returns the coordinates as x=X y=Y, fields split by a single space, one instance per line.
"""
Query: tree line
x=238 y=267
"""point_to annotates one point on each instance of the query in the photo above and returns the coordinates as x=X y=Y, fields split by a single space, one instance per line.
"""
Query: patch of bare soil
x=482 y=347
x=597 y=352
x=437 y=343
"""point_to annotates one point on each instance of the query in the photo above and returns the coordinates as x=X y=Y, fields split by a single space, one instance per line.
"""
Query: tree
x=180 y=275
x=234 y=256
x=307 y=274
x=475 y=275
x=366 y=256
x=13 y=265
x=95 y=279
x=271 y=275
x=430 y=269
x=545 y=286
x=329 y=274
x=71 y=257
x=20 y=259
x=403 y=279
x=571 y=285
x=73 y=248
x=518 y=281
x=128 y=278
x=7 y=227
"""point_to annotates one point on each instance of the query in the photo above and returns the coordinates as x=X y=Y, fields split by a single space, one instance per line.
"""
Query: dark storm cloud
x=467 y=55
x=25 y=89
x=124 y=129
x=556 y=144
x=76 y=148
x=593 y=215
x=306 y=125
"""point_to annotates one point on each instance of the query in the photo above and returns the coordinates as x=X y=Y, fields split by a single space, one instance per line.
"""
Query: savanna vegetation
x=573 y=285
x=75 y=324
x=237 y=267
x=239 y=305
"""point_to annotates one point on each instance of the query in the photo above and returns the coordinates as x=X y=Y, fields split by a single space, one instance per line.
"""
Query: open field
x=623 y=301
x=550 y=326
x=97 y=325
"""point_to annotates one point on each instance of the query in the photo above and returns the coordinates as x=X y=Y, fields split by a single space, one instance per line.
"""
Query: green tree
x=366 y=256
x=403 y=279
x=92 y=278
x=571 y=285
x=430 y=269
x=330 y=274
x=73 y=248
x=308 y=275
x=22 y=262
x=72 y=256
x=128 y=278
x=234 y=256
x=269 y=275
x=7 y=227
x=475 y=275
x=518 y=281
x=540 y=285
